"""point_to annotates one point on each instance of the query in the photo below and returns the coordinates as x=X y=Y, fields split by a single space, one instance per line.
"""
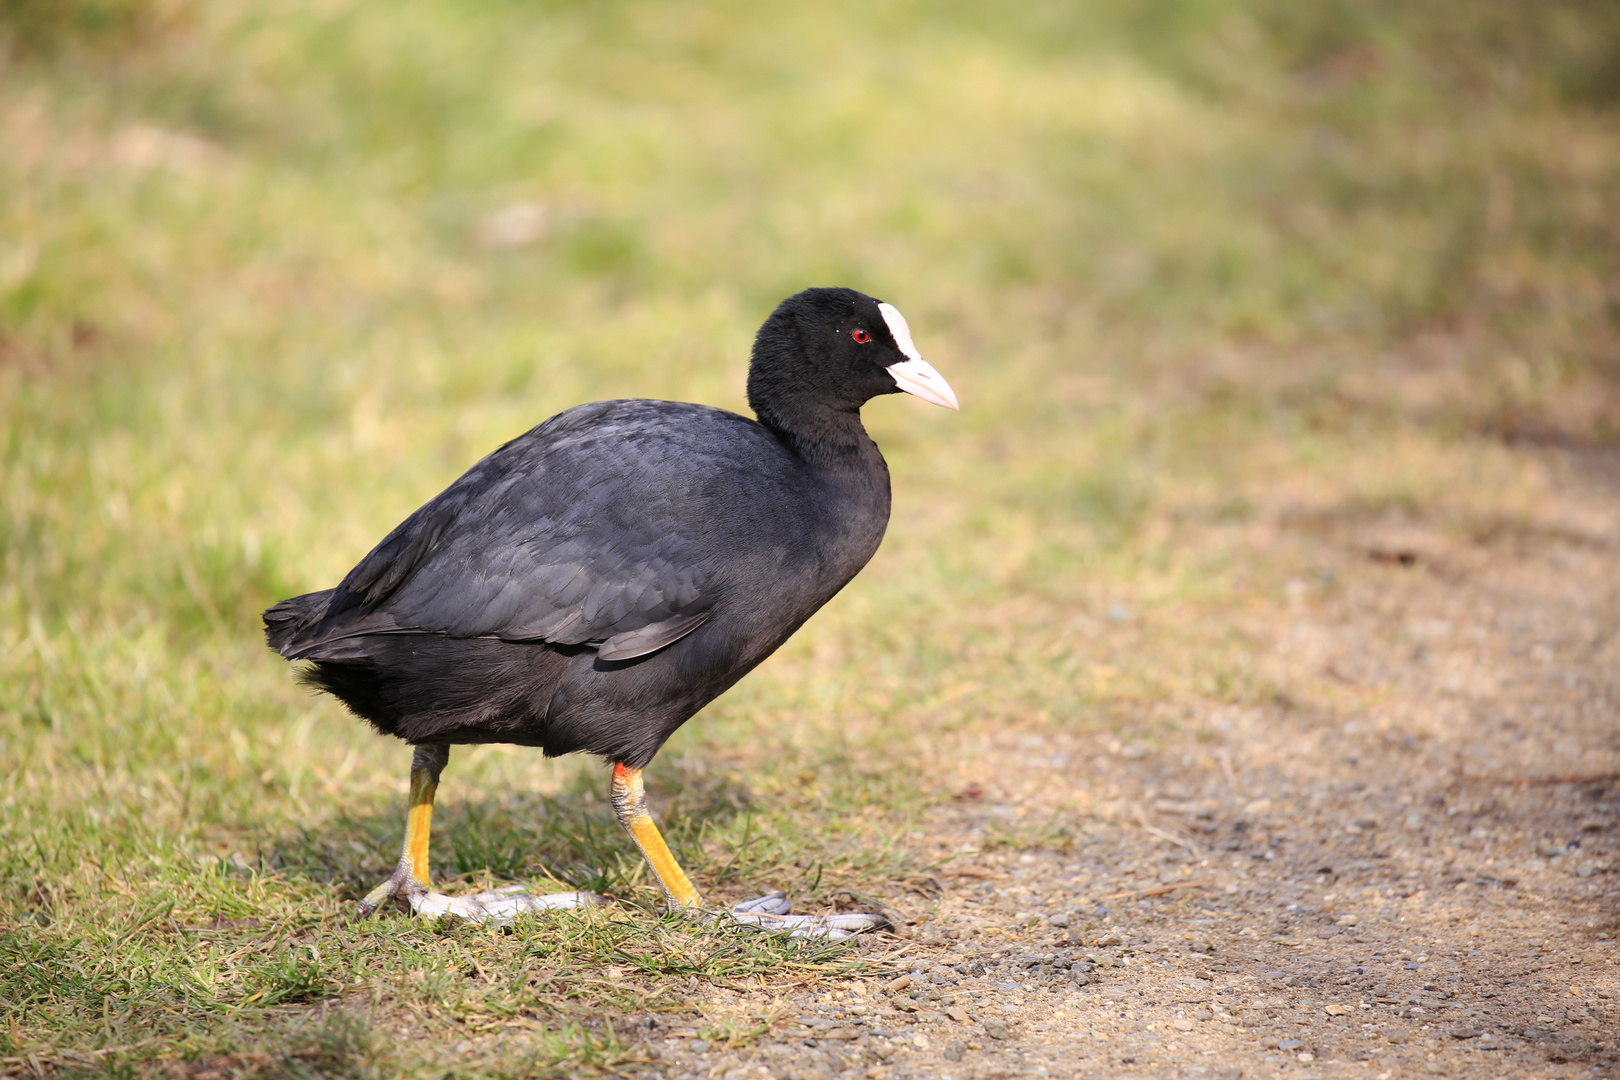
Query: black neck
x=821 y=434
x=815 y=417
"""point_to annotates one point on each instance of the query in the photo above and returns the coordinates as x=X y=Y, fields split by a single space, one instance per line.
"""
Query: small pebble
x=698 y=1046
x=996 y=1029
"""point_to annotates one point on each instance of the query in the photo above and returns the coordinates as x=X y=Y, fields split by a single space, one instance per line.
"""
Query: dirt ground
x=1403 y=866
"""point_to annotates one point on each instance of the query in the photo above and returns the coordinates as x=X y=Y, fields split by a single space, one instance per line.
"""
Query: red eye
x=861 y=336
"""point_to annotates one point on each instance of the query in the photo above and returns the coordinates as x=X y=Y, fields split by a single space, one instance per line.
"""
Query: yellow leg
x=419 y=822
x=630 y=804
x=411 y=873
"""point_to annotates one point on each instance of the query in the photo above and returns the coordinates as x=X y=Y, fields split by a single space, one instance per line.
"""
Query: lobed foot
x=770 y=912
x=499 y=906
x=493 y=906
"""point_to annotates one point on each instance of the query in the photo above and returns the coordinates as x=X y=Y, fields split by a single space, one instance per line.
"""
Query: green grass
x=1185 y=262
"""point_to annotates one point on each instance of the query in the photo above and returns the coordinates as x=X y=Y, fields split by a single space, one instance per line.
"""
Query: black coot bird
x=595 y=582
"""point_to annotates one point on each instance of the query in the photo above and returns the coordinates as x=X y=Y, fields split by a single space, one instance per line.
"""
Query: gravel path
x=1404 y=865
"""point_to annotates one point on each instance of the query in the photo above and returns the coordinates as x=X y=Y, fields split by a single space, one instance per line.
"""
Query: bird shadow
x=480 y=839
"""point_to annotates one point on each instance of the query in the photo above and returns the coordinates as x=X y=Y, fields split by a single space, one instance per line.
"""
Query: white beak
x=915 y=375
x=919 y=377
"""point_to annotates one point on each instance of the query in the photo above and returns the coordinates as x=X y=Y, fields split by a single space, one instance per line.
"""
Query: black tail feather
x=285 y=620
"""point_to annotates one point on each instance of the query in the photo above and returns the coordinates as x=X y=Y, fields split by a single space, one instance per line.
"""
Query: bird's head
x=837 y=348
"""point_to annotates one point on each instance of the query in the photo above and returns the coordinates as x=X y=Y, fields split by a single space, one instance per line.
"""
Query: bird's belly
x=625 y=710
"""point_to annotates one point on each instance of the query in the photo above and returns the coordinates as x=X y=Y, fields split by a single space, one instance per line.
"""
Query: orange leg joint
x=630 y=805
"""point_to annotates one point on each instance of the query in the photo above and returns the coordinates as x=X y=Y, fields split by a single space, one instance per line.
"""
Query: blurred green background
x=273 y=274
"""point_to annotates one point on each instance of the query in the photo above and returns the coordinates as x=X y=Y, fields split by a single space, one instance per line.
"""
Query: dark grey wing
x=574 y=533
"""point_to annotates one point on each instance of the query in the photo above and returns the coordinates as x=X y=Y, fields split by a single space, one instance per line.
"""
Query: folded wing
x=557 y=537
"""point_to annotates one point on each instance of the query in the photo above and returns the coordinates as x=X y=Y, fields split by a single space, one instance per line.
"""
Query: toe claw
x=379 y=896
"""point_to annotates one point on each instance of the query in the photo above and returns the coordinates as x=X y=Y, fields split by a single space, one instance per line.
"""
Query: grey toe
x=770 y=913
x=772 y=903
x=500 y=905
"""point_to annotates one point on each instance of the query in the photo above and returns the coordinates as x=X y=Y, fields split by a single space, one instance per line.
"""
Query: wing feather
x=557 y=536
